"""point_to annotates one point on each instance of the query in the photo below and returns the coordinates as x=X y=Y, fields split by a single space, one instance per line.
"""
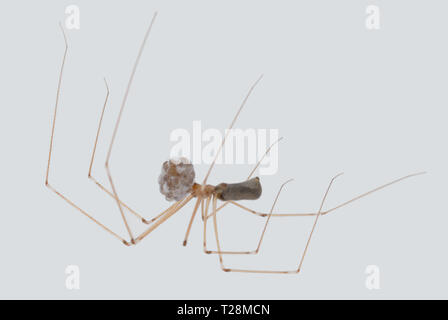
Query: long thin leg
x=254 y=169
x=204 y=222
x=169 y=213
x=198 y=202
x=206 y=216
x=261 y=235
x=264 y=155
x=47 y=184
x=315 y=223
x=207 y=251
x=92 y=159
x=58 y=91
x=230 y=127
x=275 y=271
x=326 y=211
x=203 y=209
x=304 y=214
x=120 y=207
x=215 y=226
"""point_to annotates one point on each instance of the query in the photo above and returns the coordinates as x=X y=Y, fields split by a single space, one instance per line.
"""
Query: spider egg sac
x=176 y=179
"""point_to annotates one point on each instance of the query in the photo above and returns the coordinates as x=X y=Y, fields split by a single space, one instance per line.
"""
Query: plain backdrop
x=369 y=103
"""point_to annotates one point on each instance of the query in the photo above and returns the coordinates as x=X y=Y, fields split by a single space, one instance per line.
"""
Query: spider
x=177 y=184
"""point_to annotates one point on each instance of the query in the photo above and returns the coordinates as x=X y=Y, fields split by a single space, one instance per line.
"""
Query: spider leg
x=205 y=249
x=47 y=180
x=205 y=215
x=253 y=170
x=165 y=216
x=114 y=134
x=114 y=193
x=257 y=249
x=198 y=202
x=267 y=270
x=90 y=174
x=231 y=126
x=303 y=214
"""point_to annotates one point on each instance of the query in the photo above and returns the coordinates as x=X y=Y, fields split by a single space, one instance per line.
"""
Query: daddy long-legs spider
x=177 y=183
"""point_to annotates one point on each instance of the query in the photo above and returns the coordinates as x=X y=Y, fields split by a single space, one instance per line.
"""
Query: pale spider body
x=177 y=183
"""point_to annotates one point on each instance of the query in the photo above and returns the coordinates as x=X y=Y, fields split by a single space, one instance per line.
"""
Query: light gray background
x=369 y=103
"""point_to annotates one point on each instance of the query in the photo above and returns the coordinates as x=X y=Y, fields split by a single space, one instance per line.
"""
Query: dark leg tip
x=126 y=243
x=184 y=243
x=225 y=270
x=145 y=221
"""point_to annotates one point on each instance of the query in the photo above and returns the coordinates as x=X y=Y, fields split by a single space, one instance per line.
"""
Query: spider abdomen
x=246 y=190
